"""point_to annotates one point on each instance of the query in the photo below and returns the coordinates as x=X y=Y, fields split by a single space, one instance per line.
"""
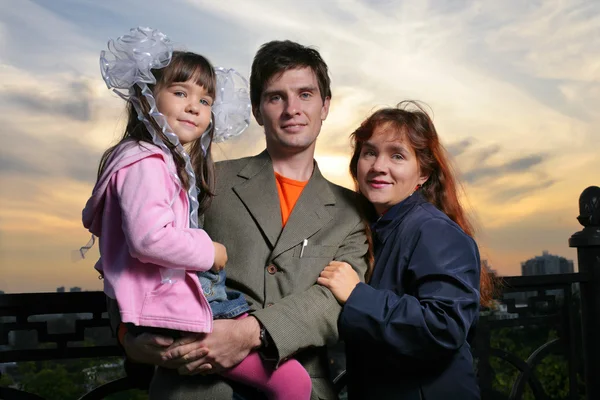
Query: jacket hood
x=126 y=153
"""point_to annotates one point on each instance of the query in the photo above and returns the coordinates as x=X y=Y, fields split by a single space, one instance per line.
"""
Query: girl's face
x=187 y=108
x=387 y=170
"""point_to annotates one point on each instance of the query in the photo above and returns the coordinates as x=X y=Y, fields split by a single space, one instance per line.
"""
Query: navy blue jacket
x=407 y=333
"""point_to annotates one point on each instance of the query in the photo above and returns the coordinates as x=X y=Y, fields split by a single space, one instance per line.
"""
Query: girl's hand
x=340 y=278
x=220 y=257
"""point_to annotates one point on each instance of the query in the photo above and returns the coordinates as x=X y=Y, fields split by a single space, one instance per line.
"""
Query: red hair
x=441 y=188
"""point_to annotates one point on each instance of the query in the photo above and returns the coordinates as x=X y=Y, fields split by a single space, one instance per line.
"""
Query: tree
x=52 y=381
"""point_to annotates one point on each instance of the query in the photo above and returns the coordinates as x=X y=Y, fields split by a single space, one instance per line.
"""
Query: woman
x=408 y=332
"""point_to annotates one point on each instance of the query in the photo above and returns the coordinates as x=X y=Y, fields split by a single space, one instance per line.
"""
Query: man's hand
x=229 y=343
x=153 y=349
x=340 y=278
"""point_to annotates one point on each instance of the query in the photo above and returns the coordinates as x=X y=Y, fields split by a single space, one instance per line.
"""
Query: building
x=500 y=311
x=73 y=289
x=546 y=264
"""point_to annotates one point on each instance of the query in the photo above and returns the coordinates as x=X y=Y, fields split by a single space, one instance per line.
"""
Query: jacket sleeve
x=435 y=318
x=149 y=221
x=309 y=318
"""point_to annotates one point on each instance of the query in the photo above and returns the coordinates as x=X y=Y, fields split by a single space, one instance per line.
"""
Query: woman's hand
x=340 y=278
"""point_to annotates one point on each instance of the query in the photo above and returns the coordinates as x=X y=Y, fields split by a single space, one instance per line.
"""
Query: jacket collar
x=258 y=192
x=383 y=226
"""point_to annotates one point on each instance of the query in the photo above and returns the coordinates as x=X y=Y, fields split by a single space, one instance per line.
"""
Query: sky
x=514 y=87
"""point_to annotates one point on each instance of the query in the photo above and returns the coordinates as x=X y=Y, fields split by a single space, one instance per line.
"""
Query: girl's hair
x=441 y=188
x=184 y=66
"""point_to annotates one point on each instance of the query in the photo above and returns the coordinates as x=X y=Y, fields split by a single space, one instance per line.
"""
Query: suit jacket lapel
x=309 y=215
x=259 y=195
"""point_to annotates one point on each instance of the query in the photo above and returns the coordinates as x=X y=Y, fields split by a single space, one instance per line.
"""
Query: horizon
x=64 y=288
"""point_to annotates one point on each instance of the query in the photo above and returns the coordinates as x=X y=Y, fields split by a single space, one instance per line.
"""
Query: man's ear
x=257 y=115
x=325 y=109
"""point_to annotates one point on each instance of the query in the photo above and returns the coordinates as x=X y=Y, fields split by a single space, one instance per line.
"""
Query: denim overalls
x=224 y=303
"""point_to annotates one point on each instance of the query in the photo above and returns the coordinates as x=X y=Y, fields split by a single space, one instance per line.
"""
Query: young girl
x=150 y=190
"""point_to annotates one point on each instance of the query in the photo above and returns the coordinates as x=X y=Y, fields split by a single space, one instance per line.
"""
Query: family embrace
x=228 y=280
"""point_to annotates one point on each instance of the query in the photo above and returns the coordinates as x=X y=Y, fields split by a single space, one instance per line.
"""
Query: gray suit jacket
x=268 y=265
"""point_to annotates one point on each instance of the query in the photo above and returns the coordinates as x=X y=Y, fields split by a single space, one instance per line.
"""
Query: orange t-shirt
x=289 y=191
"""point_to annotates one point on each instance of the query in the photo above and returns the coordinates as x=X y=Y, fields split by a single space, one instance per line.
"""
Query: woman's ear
x=423 y=179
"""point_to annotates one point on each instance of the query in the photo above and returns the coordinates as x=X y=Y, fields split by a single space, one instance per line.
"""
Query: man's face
x=291 y=111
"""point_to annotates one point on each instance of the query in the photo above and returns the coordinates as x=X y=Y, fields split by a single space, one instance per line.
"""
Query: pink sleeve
x=145 y=191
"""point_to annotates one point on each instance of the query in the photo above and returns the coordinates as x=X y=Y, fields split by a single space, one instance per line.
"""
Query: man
x=281 y=223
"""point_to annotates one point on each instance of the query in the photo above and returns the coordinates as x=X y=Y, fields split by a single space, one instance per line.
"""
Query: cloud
x=512 y=88
x=483 y=155
x=46 y=158
x=524 y=163
x=10 y=163
x=514 y=166
x=520 y=191
x=496 y=178
x=42 y=41
x=458 y=148
x=540 y=49
x=555 y=39
x=76 y=103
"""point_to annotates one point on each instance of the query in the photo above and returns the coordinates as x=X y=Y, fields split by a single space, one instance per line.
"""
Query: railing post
x=587 y=242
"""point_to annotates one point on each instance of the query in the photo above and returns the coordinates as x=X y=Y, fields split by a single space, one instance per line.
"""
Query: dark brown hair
x=184 y=66
x=410 y=120
x=276 y=57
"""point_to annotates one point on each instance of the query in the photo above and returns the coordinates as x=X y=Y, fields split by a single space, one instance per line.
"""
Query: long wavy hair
x=411 y=120
x=184 y=66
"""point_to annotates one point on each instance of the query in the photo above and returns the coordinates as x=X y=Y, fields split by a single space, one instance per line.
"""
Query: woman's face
x=387 y=170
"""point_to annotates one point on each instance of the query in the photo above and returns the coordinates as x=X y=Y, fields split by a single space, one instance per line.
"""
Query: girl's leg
x=289 y=381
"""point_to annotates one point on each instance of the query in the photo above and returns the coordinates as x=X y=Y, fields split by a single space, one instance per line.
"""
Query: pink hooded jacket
x=140 y=212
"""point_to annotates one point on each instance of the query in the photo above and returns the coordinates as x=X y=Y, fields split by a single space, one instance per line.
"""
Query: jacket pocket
x=315 y=251
x=154 y=301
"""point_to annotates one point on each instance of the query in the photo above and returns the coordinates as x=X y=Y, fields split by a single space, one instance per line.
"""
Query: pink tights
x=290 y=381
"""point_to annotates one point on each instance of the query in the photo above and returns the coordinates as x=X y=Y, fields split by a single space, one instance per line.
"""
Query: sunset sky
x=514 y=87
